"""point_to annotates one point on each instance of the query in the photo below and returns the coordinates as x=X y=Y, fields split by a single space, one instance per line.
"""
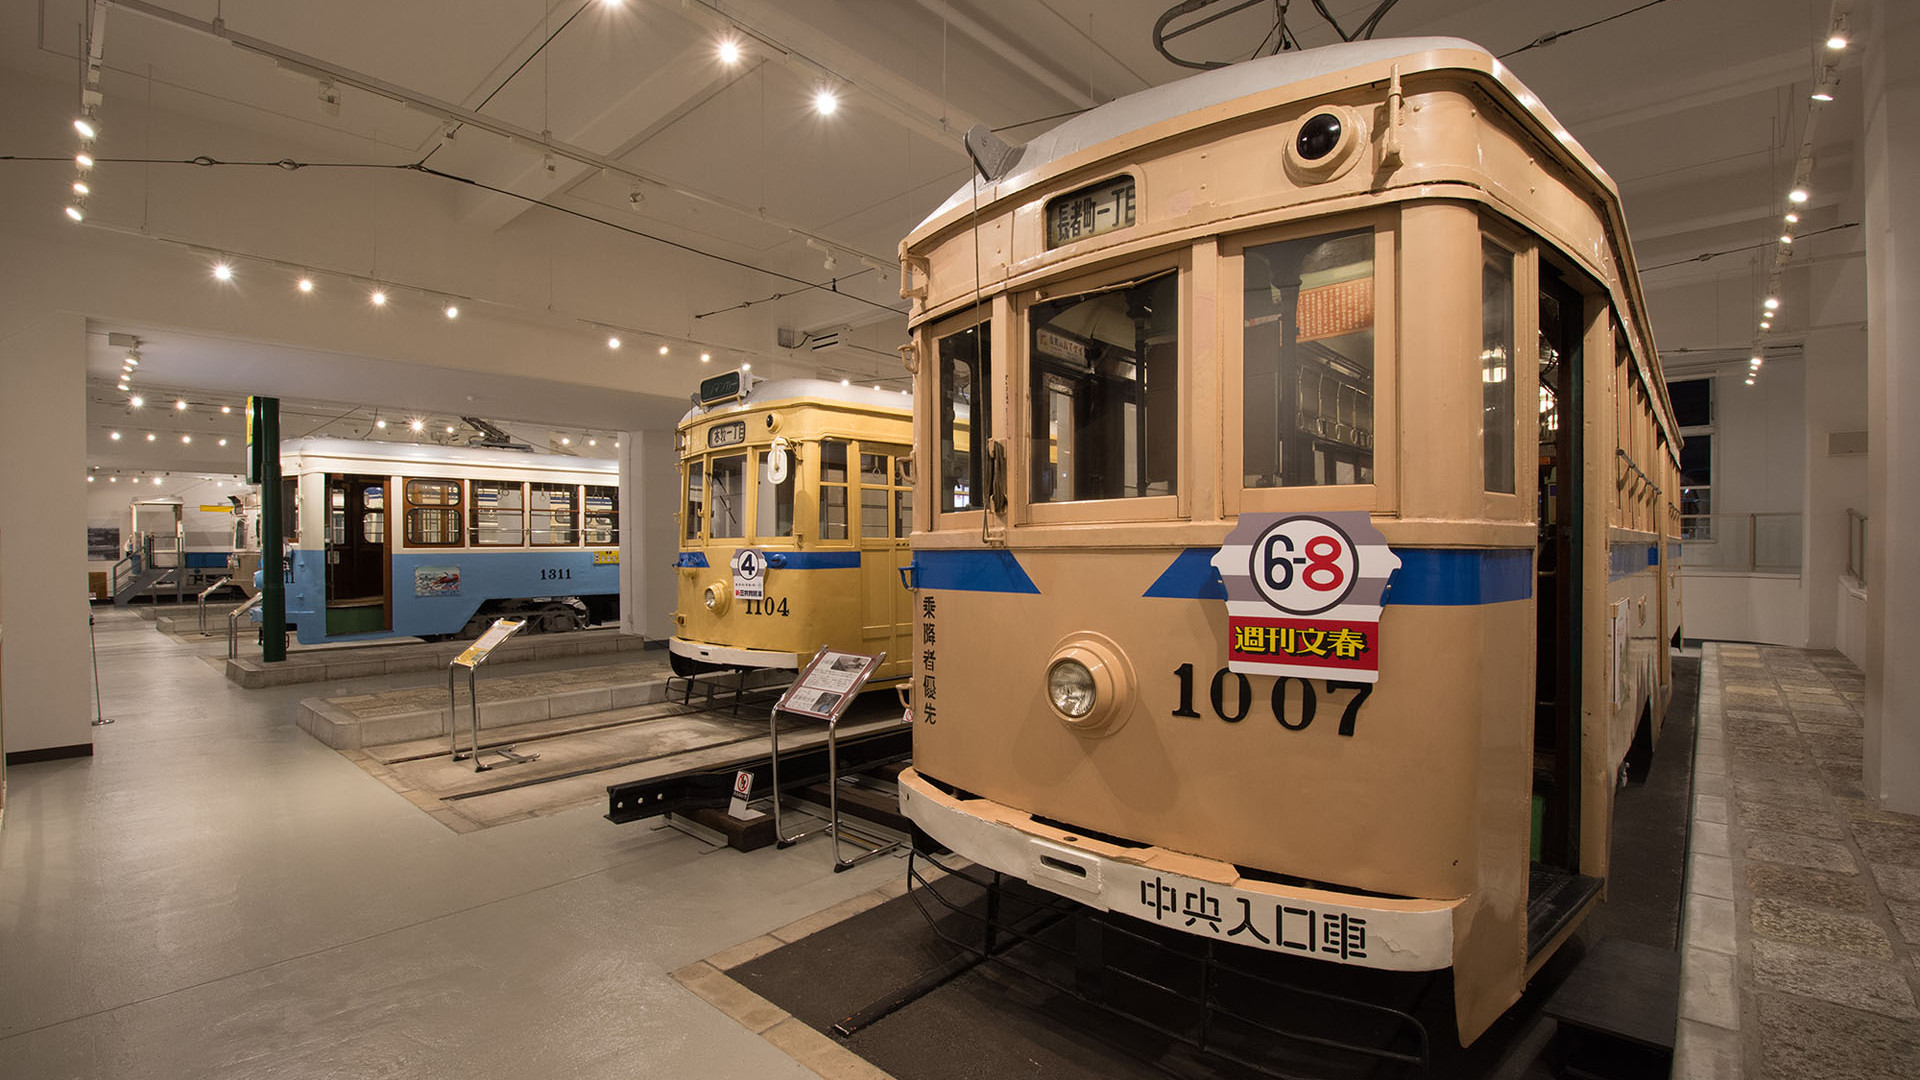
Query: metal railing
x=233 y=623
x=1857 y=545
x=1768 y=543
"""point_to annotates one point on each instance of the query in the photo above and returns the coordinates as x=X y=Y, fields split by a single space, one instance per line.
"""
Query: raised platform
x=356 y=721
x=327 y=663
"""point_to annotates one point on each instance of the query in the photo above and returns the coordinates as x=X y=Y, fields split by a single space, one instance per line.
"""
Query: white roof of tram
x=1195 y=92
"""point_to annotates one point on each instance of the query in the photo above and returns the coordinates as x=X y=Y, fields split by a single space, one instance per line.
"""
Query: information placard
x=828 y=684
x=501 y=630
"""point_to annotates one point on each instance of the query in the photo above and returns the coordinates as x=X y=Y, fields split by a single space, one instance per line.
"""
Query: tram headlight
x=1325 y=144
x=1090 y=685
x=1070 y=688
x=717 y=596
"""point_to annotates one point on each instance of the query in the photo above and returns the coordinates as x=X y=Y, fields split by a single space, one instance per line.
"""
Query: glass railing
x=1741 y=543
x=1857 y=545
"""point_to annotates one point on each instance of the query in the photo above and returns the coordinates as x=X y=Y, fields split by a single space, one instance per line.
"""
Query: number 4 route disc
x=1304 y=594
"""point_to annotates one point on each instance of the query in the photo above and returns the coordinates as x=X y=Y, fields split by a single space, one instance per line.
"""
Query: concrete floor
x=216 y=894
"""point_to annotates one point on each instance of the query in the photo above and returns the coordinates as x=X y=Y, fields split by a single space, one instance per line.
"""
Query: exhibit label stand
x=826 y=686
x=471 y=659
x=93 y=652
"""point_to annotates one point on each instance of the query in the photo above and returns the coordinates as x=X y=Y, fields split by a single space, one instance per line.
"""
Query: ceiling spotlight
x=417 y=425
x=1797 y=195
x=746 y=367
x=1793 y=218
x=824 y=102
x=223 y=271
x=151 y=436
x=1786 y=238
x=76 y=213
x=1772 y=303
x=593 y=442
x=305 y=285
x=846 y=382
x=705 y=356
x=136 y=401
x=379 y=298
x=829 y=263
x=453 y=311
x=133 y=358
x=226 y=410
x=156 y=481
x=180 y=406
x=613 y=341
x=876 y=386
x=89 y=479
x=565 y=441
x=80 y=188
x=663 y=350
x=449 y=429
x=1837 y=40
x=1822 y=92
x=729 y=51
x=381 y=424
x=1749 y=380
x=186 y=438
x=223 y=442
x=123 y=386
x=83 y=160
x=84 y=125
x=113 y=479
x=114 y=435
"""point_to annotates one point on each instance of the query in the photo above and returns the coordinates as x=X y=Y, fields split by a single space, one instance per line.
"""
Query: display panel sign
x=1304 y=593
x=749 y=574
x=727 y=434
x=722 y=387
x=1090 y=211
x=829 y=683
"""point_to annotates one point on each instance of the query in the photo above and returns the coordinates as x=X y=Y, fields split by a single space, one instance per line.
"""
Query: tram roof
x=1195 y=92
x=495 y=457
x=818 y=389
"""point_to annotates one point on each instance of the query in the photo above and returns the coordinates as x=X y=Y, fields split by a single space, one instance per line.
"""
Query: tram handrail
x=233 y=623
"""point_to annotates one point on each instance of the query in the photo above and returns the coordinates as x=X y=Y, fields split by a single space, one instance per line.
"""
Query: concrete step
x=327 y=663
x=426 y=713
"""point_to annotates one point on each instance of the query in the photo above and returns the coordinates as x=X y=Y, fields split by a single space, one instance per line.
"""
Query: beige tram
x=1296 y=482
x=796 y=508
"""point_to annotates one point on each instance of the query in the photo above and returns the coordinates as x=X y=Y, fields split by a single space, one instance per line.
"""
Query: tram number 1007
x=1243 y=698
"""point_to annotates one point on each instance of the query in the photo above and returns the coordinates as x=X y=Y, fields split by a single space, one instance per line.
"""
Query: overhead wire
x=1548 y=39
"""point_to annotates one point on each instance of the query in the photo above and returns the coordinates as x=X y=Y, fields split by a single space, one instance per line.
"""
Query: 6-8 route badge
x=1304 y=593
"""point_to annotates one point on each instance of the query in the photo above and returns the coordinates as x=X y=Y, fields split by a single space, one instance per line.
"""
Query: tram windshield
x=1308 y=361
x=1103 y=371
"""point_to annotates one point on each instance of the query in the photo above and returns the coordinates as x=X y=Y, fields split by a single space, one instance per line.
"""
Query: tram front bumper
x=1199 y=896
x=726 y=656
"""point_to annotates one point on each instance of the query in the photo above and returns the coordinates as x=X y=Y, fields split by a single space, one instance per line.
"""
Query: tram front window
x=1103 y=389
x=1307 y=353
x=729 y=491
x=964 y=427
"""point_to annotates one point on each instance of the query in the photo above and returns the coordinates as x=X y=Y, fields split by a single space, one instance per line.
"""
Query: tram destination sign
x=1304 y=594
x=1090 y=211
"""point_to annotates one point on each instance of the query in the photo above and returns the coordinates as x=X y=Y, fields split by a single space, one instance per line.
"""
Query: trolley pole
x=263 y=462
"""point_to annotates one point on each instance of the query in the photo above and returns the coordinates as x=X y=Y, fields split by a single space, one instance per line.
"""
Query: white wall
x=45 y=677
x=1892 y=742
x=650 y=481
x=1770 y=609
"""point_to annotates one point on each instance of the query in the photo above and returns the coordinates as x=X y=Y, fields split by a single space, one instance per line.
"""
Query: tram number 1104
x=769 y=606
x=1309 y=703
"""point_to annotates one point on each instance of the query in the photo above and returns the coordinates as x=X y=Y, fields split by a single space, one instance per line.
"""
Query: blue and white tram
x=404 y=540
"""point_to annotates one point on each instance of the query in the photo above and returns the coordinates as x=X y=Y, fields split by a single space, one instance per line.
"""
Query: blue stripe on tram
x=1428 y=577
x=972 y=571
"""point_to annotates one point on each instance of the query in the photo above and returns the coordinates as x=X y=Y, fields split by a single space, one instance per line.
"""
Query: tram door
x=886 y=525
x=356 y=554
x=1556 y=735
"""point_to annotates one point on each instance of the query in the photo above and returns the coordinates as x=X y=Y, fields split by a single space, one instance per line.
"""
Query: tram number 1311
x=1243 y=699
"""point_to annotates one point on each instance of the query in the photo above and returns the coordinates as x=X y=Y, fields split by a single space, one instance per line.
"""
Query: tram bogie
x=406 y=540
x=796 y=508
x=1289 y=556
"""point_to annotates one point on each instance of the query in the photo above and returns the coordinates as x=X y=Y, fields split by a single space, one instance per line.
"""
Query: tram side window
x=902 y=498
x=336 y=516
x=373 y=520
x=729 y=496
x=696 y=498
x=965 y=420
x=1103 y=389
x=1307 y=347
x=875 y=494
x=498 y=513
x=433 y=513
x=773 y=507
x=1496 y=366
x=551 y=508
x=602 y=515
x=833 y=489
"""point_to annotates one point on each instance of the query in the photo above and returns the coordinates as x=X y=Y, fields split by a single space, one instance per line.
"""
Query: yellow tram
x=1297 y=478
x=796 y=511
